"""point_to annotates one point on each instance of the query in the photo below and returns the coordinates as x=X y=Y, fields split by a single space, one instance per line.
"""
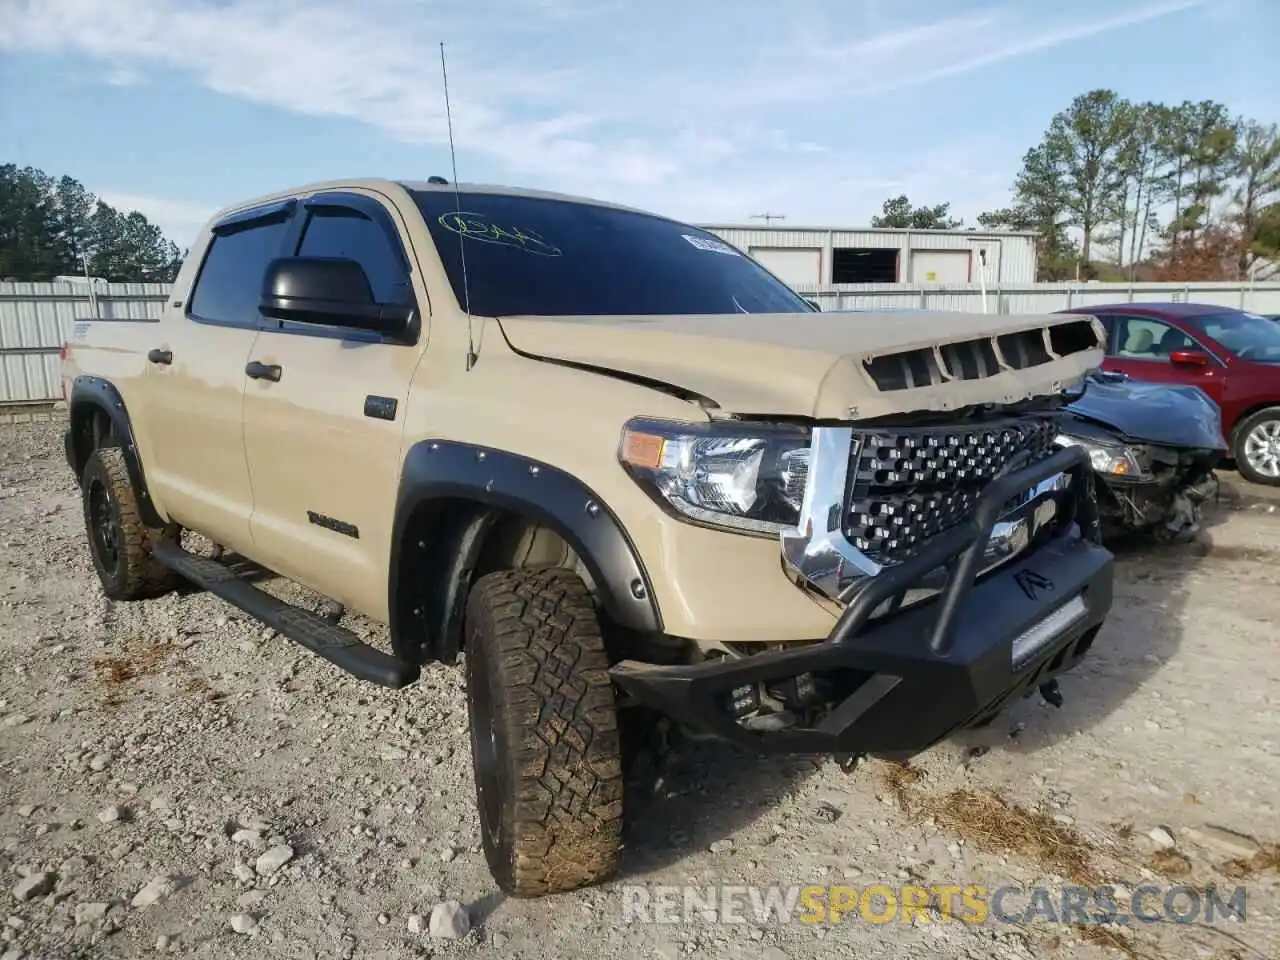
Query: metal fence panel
x=1039 y=297
x=36 y=318
x=30 y=377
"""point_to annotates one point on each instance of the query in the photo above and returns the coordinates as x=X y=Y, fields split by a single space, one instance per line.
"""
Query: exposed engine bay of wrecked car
x=1153 y=448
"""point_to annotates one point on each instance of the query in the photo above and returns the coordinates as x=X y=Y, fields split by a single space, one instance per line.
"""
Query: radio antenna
x=472 y=356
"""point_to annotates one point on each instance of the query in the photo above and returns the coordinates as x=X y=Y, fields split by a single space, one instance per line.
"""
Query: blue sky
x=707 y=111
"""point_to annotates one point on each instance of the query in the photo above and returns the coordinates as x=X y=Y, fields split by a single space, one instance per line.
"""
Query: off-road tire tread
x=556 y=700
x=1239 y=434
x=143 y=577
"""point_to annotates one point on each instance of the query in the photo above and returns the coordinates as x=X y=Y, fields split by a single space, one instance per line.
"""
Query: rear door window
x=1141 y=338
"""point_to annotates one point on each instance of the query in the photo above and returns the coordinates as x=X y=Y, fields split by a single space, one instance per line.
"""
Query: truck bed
x=113 y=348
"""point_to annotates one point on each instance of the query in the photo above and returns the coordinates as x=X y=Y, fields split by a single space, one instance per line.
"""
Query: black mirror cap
x=329 y=291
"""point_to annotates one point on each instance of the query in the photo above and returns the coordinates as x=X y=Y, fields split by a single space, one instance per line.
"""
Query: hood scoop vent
x=983 y=357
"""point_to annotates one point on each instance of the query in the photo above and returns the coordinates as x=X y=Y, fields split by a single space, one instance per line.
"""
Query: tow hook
x=1052 y=695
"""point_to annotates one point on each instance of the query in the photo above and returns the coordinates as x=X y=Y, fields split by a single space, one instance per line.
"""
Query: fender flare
x=102 y=395
x=495 y=480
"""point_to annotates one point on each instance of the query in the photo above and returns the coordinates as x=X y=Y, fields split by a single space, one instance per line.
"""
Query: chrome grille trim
x=816 y=549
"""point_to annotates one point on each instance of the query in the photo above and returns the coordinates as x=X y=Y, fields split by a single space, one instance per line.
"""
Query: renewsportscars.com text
x=936 y=903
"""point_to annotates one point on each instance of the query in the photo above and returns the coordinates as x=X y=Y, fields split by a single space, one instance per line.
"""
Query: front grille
x=908 y=484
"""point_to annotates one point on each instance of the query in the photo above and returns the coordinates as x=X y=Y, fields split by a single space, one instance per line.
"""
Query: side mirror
x=813 y=303
x=1189 y=358
x=328 y=291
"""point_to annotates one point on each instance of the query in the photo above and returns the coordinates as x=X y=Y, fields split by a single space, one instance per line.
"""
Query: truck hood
x=826 y=365
x=1173 y=415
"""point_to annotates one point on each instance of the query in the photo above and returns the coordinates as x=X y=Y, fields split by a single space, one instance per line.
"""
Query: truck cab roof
x=388 y=185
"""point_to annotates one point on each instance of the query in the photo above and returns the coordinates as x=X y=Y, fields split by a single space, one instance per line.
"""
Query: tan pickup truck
x=613 y=462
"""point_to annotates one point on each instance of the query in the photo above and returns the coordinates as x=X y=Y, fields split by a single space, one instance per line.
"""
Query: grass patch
x=1268 y=858
x=137 y=662
x=994 y=824
x=1170 y=863
x=1000 y=826
x=1112 y=938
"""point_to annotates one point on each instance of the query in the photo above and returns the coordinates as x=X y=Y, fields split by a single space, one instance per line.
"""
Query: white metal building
x=811 y=257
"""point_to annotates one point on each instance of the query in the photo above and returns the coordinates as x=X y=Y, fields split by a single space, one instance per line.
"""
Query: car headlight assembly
x=1116 y=462
x=743 y=477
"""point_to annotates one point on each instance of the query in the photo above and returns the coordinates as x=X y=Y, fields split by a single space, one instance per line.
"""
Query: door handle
x=160 y=356
x=263 y=371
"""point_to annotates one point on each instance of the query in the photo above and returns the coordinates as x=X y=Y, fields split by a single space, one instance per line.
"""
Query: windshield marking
x=591 y=260
x=715 y=246
x=475 y=226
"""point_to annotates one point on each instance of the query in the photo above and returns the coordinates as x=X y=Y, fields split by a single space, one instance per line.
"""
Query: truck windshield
x=1247 y=335
x=533 y=256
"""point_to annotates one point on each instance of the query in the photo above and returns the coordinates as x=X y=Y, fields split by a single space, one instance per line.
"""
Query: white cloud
x=124 y=76
x=178 y=219
x=1013 y=45
x=1235 y=13
x=690 y=108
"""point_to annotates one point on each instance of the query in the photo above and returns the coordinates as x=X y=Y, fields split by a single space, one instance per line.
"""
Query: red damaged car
x=1231 y=355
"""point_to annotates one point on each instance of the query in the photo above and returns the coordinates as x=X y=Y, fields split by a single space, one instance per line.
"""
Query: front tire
x=1256 y=449
x=119 y=542
x=544 y=732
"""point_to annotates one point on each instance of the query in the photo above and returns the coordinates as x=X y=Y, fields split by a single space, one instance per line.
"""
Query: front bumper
x=896 y=685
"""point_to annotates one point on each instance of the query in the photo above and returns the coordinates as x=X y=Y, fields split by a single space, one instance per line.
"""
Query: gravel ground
x=176 y=780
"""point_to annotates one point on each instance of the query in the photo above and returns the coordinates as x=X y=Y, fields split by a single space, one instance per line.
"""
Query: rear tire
x=119 y=542
x=544 y=732
x=1256 y=447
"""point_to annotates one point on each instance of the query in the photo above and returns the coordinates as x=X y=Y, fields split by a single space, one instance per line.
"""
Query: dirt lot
x=151 y=752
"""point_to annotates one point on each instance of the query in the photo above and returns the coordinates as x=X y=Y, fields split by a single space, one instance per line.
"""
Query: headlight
x=1112 y=461
x=748 y=478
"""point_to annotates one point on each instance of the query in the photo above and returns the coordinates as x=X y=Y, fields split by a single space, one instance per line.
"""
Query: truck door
x=323 y=440
x=195 y=380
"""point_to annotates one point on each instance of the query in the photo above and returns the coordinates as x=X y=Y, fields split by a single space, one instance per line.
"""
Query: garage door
x=940 y=266
x=795 y=266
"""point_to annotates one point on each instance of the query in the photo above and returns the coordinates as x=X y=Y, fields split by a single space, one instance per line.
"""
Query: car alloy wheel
x=1262 y=448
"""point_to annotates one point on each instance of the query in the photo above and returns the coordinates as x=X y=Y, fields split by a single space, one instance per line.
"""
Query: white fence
x=1041 y=297
x=35 y=318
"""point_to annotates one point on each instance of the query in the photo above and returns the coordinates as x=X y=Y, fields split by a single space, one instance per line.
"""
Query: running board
x=340 y=647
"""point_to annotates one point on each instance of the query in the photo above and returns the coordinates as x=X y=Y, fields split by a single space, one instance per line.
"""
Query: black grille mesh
x=910 y=484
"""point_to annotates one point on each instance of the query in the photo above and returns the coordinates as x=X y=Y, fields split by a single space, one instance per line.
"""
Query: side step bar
x=339 y=646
